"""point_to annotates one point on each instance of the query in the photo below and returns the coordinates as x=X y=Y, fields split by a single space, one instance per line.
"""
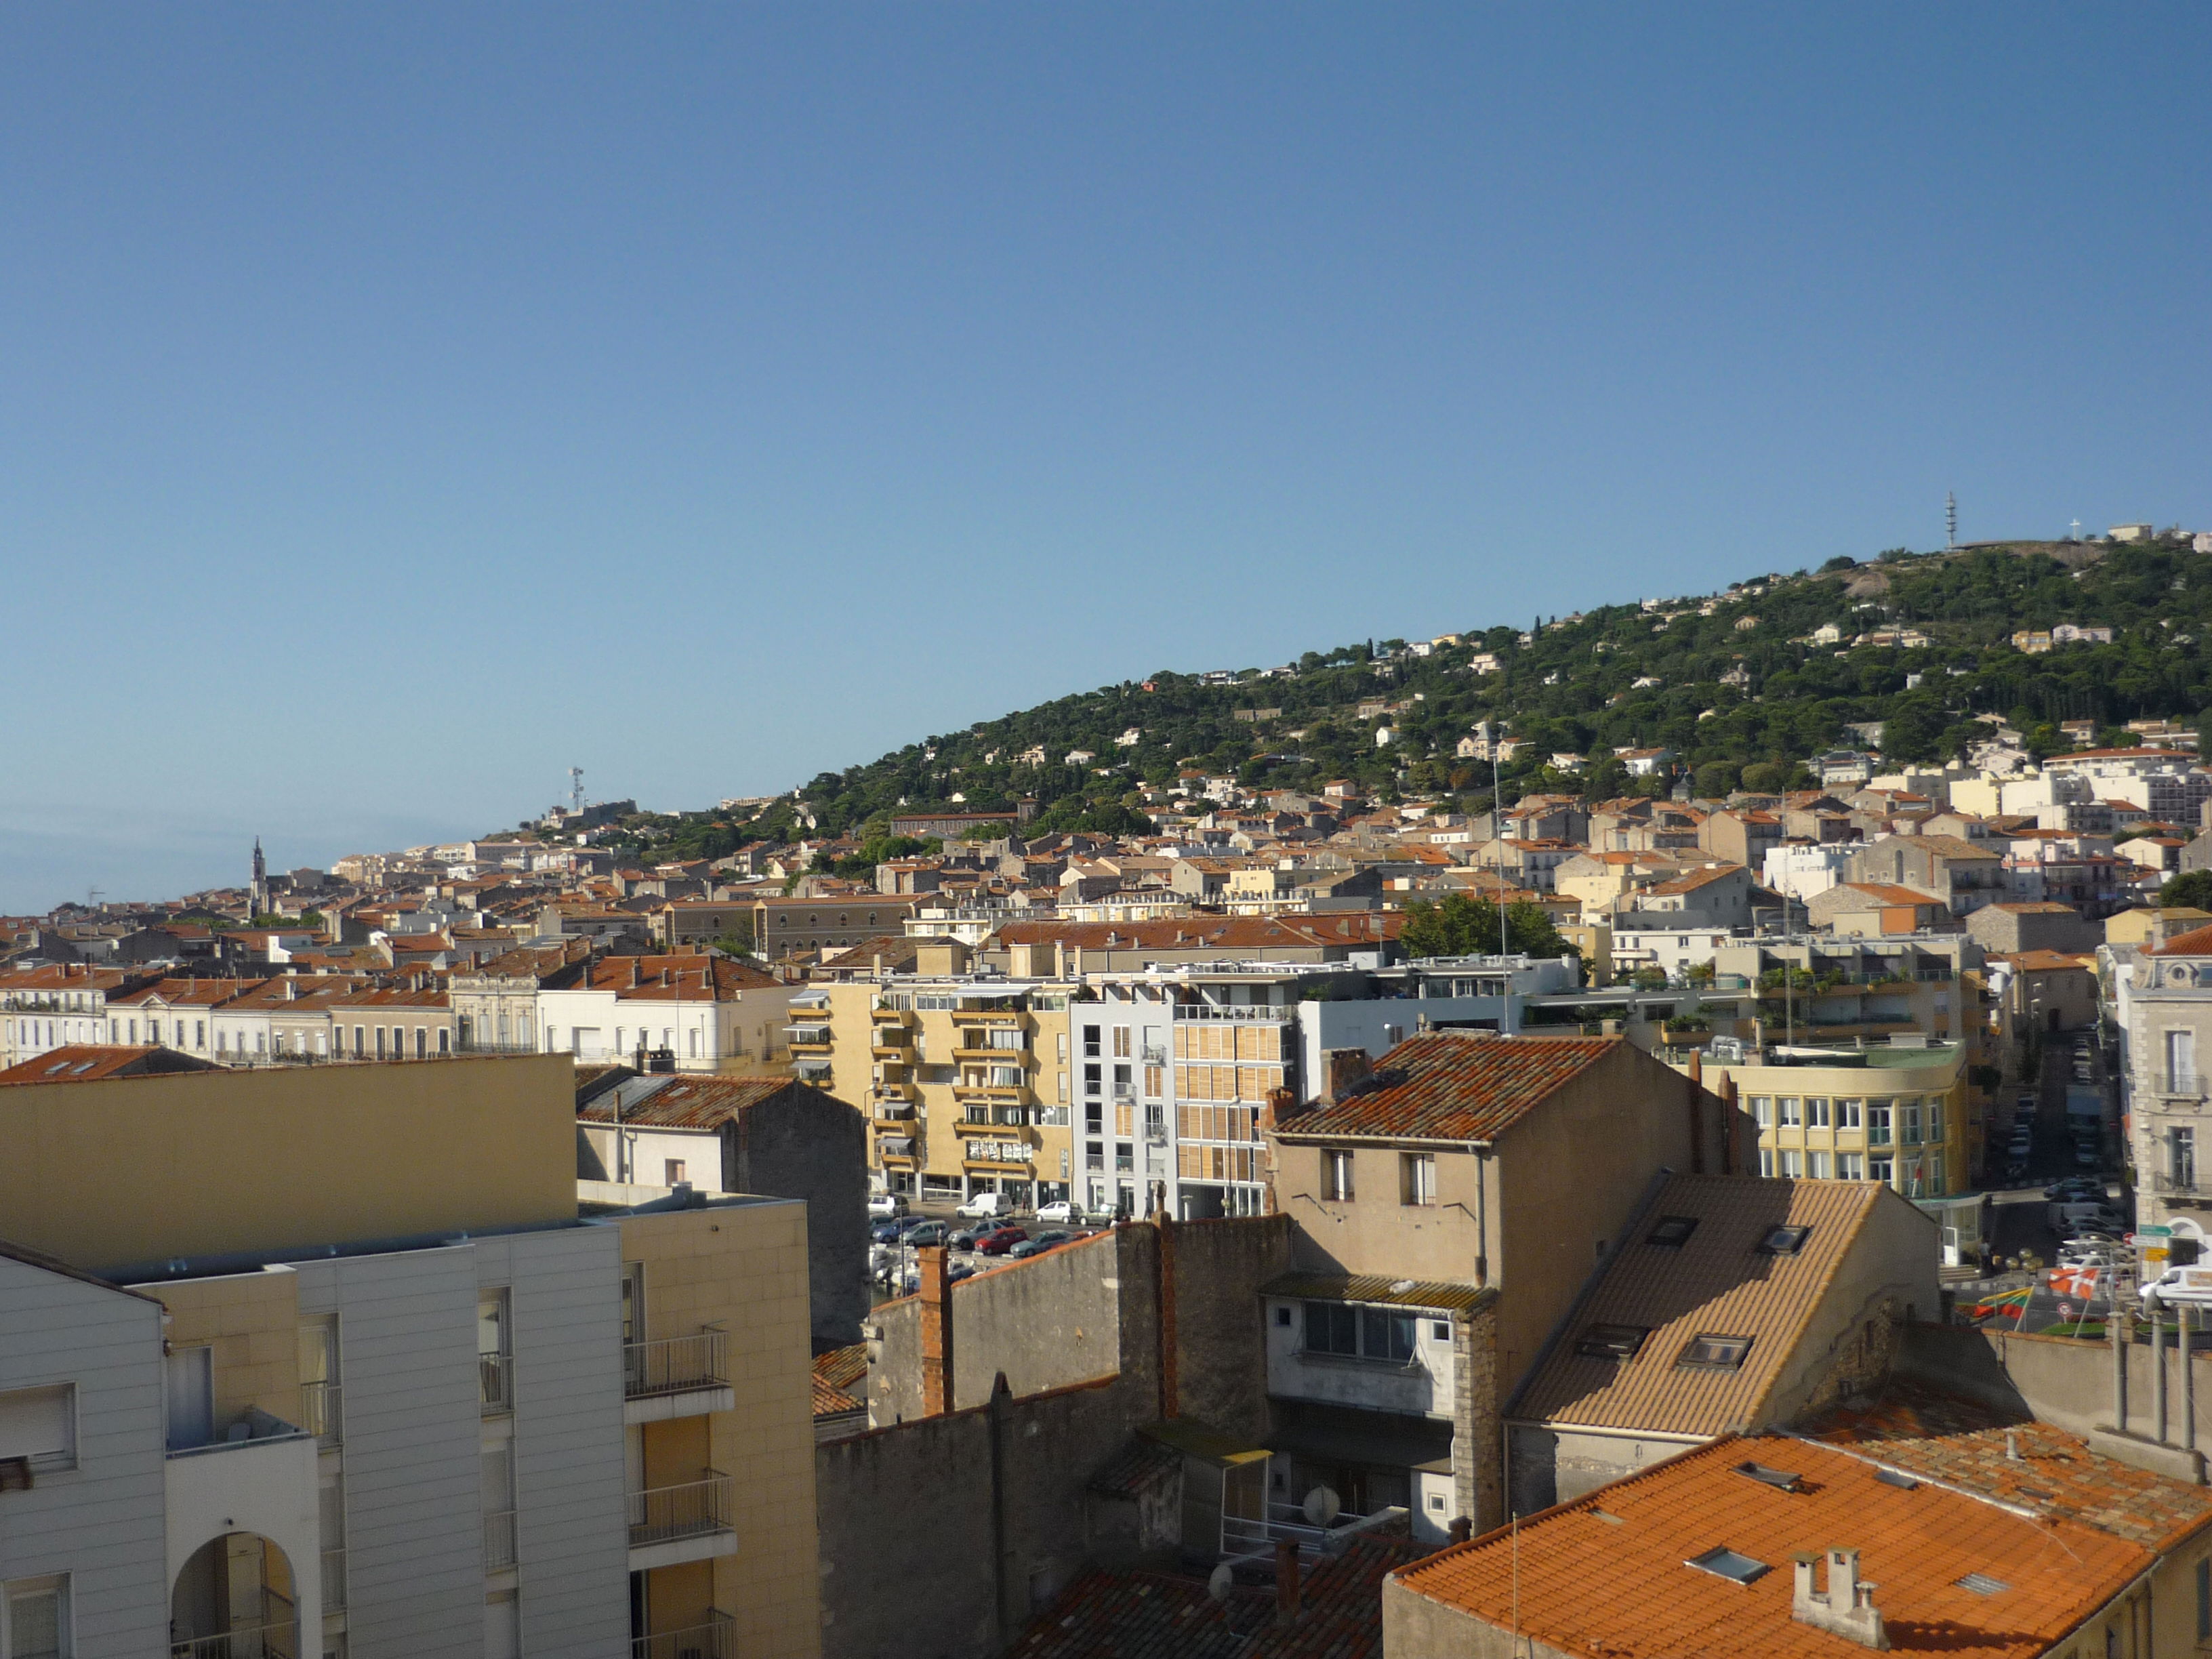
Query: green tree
x=1459 y=925
x=1715 y=779
x=2190 y=891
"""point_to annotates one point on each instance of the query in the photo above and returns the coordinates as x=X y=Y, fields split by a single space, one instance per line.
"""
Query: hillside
x=1728 y=681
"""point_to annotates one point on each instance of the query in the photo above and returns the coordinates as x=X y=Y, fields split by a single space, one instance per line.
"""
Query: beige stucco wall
x=214 y=1162
x=742 y=1268
x=252 y=1320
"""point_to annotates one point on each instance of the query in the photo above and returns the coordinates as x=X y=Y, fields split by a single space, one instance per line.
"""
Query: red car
x=999 y=1243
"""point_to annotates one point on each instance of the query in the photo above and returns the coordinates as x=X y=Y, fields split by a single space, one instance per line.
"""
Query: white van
x=2191 y=1285
x=992 y=1206
x=2070 y=1217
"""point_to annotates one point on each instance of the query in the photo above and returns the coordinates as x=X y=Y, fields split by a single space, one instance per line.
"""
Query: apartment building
x=699 y=1011
x=50 y=1004
x=1964 y=874
x=2162 y=999
x=783 y=925
x=322 y=1399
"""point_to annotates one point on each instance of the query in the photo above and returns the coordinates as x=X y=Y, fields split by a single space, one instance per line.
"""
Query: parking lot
x=893 y=1263
x=2022 y=1228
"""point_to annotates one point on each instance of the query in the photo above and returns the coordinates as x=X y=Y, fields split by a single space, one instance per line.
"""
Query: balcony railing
x=675 y=1363
x=716 y=1639
x=661 y=1515
x=2189 y=1083
x=323 y=1409
x=499 y=1540
x=2185 y=1184
x=273 y=1637
x=496 y=1381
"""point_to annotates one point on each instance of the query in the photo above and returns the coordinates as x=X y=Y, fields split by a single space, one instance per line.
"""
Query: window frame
x=16 y=1590
x=1339 y=1176
x=1714 y=1350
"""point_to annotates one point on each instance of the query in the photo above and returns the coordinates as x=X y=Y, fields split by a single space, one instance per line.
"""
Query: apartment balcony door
x=191 y=1398
x=2181 y=1159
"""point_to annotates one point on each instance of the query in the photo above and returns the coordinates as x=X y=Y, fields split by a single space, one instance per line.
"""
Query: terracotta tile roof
x=1943 y=1437
x=1697 y=879
x=1608 y=1573
x=1450 y=1085
x=693 y=1102
x=1883 y=892
x=1246 y=933
x=1138 y=1467
x=1717 y=1281
x=674 y=978
x=2197 y=942
x=88 y=1062
x=835 y=1375
x=1147 y=1615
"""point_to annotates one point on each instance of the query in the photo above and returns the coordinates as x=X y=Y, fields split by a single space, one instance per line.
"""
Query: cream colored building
x=381 y=1388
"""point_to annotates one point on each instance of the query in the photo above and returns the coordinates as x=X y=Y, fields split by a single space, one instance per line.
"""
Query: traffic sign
x=2156 y=1232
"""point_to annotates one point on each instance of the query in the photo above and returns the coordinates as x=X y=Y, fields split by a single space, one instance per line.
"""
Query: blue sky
x=400 y=404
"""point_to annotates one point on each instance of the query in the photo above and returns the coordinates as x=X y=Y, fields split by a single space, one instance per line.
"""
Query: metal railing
x=334 y=1580
x=499 y=1540
x=660 y=1514
x=675 y=1363
x=2181 y=1082
x=2185 y=1183
x=323 y=1411
x=496 y=1381
x=716 y=1639
x=274 y=1638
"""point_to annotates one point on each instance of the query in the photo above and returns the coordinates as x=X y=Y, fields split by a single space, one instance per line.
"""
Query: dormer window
x=1784 y=1241
x=1712 y=1352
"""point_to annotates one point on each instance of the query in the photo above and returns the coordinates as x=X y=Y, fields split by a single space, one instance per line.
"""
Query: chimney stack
x=1287 y=1585
x=1343 y=1071
x=936 y=1331
x=1846 y=1609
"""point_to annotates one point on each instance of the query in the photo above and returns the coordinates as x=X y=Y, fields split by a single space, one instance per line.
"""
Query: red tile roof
x=1454 y=1085
x=1609 y=1573
x=836 y=1373
x=88 y=1062
x=693 y=1102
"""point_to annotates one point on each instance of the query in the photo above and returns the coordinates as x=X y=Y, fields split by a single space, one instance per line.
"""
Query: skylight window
x=1897 y=1478
x=1673 y=1231
x=1982 y=1584
x=1710 y=1351
x=1612 y=1341
x=1778 y=1478
x=1725 y=1562
x=1784 y=1241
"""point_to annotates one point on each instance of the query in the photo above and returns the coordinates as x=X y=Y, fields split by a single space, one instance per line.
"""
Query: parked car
x=886 y=1204
x=999 y=1240
x=2072 y=1217
x=985 y=1205
x=964 y=1238
x=962 y=1272
x=2075 y=1188
x=2086 y=1154
x=2025 y=1105
x=1062 y=1213
x=930 y=1232
x=886 y=1231
x=1039 y=1245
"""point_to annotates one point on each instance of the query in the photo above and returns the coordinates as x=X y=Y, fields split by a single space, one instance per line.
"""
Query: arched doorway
x=234 y=1599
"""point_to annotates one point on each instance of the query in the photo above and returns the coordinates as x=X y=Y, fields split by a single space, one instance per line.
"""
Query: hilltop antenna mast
x=1950 y=519
x=576 y=789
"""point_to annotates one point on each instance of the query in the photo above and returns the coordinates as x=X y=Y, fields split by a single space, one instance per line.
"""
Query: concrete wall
x=103 y=1524
x=807 y=1144
x=251 y=1324
x=1887 y=1278
x=1414 y=1627
x=223 y=1161
x=2064 y=1382
x=943 y=1537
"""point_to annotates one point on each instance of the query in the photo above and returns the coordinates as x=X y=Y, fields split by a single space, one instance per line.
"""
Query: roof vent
x=1781 y=1479
x=1897 y=1478
x=1982 y=1584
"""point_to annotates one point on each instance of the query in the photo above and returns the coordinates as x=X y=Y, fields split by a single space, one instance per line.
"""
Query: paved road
x=2020 y=1223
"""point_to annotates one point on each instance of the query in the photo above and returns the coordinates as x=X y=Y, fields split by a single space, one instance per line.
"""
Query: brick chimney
x=936 y=1331
x=1343 y=1070
x=1288 y=1586
x=1846 y=1609
x=1282 y=1106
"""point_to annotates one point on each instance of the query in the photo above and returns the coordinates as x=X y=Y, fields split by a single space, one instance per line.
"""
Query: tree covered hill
x=1740 y=679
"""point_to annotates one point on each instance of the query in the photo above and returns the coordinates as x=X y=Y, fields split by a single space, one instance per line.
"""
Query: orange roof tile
x=1609 y=1573
x=1454 y=1085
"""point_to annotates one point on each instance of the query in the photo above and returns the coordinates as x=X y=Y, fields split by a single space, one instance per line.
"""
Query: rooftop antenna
x=1950 y=519
x=576 y=788
x=92 y=898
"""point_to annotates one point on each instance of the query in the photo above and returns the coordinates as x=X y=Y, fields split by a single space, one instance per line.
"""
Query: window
x=1881 y=1168
x=1767 y=1162
x=672 y=1172
x=1935 y=1117
x=1908 y=1122
x=1093 y=1076
x=1791 y=1112
x=1816 y=1165
x=35 y=1617
x=40 y=1425
x=1121 y=1042
x=1727 y=1563
x=1417 y=1178
x=1336 y=1176
x=495 y=1350
x=1611 y=1341
x=1090 y=1043
x=1793 y=1165
x=1816 y=1112
x=1376 y=1334
x=1283 y=1316
x=1440 y=1329
x=1851 y=1113
x=1877 y=1125
x=1710 y=1353
x=1762 y=1110
x=1673 y=1231
x=1784 y=1241
x=1851 y=1166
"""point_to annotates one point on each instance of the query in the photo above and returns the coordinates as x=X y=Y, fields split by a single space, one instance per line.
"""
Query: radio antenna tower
x=576 y=787
x=1950 y=519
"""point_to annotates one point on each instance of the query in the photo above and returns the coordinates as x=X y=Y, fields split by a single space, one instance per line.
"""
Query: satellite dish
x=1218 y=1582
x=1321 y=1507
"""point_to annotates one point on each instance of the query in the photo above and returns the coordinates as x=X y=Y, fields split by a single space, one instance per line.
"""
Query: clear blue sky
x=399 y=404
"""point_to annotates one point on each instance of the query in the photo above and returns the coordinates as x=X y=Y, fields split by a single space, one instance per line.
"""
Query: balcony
x=1154 y=1054
x=495 y=1382
x=883 y=1015
x=676 y=1376
x=1010 y=1093
x=990 y=1053
x=892 y=1045
x=2182 y=1187
x=322 y=1408
x=894 y=1112
x=808 y=1039
x=716 y=1639
x=987 y=1016
x=670 y=1525
x=274 y=1636
x=2179 y=1085
x=499 y=1540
